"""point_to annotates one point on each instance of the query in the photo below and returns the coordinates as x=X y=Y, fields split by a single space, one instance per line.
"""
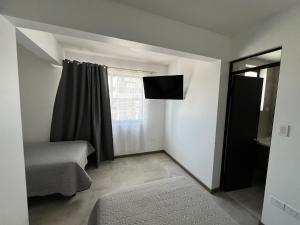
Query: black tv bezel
x=170 y=76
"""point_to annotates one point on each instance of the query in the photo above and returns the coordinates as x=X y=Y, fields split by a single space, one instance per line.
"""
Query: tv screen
x=163 y=87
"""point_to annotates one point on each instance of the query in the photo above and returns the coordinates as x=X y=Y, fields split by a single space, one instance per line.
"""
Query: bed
x=57 y=167
x=175 y=201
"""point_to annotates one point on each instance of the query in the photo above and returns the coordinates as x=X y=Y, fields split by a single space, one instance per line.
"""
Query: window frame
x=141 y=98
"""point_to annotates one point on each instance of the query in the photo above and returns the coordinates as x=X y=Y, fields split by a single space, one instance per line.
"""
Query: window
x=126 y=94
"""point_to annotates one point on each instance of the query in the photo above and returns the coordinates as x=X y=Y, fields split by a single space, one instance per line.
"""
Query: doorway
x=251 y=101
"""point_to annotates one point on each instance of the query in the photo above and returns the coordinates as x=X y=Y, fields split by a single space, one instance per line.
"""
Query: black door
x=243 y=119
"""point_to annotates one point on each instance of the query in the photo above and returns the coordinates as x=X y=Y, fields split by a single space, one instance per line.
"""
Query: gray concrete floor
x=116 y=175
x=250 y=198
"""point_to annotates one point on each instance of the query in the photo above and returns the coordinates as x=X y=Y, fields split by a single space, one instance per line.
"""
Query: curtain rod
x=120 y=68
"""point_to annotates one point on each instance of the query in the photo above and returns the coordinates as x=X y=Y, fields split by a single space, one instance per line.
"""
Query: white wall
x=283 y=180
x=113 y=19
x=13 y=198
x=38 y=86
x=191 y=124
x=221 y=114
x=153 y=129
x=41 y=43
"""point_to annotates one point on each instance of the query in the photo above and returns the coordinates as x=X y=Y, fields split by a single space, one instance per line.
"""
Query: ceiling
x=112 y=50
x=225 y=17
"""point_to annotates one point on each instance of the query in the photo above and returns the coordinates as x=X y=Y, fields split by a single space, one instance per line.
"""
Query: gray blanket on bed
x=173 y=201
x=57 y=167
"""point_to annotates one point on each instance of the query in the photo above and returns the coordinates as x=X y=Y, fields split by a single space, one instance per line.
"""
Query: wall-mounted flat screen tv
x=163 y=87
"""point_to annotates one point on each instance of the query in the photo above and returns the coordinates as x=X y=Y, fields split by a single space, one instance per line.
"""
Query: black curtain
x=82 y=108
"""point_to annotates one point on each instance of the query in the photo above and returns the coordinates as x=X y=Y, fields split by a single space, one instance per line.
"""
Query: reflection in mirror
x=271 y=57
x=268 y=101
